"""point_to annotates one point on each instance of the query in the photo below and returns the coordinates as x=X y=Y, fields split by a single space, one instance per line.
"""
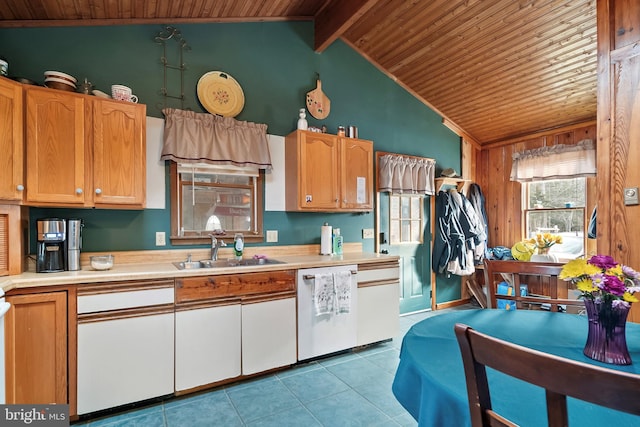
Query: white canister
x=326 y=244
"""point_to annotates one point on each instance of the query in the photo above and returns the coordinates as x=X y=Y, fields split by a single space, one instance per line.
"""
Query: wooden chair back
x=559 y=377
x=541 y=279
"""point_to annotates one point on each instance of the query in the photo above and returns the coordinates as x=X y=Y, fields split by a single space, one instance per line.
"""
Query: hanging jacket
x=469 y=221
x=449 y=240
x=593 y=221
x=477 y=200
x=441 y=243
x=465 y=222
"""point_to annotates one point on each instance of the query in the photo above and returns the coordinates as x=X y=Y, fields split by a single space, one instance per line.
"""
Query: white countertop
x=167 y=270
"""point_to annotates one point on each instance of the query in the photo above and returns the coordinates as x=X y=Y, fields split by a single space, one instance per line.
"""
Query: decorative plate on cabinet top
x=219 y=93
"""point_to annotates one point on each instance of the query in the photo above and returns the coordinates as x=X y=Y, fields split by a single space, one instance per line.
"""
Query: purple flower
x=613 y=285
x=630 y=272
x=618 y=303
x=604 y=262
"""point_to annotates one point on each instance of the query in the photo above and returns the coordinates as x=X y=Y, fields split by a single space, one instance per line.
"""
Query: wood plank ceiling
x=494 y=69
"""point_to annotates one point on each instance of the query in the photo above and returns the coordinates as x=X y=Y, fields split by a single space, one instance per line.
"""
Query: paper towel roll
x=325 y=240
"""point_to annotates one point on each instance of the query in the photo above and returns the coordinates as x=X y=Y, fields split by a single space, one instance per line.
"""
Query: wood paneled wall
x=619 y=131
x=618 y=147
x=504 y=197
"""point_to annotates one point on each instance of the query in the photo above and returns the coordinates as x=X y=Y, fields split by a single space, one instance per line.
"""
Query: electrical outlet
x=367 y=233
x=272 y=236
x=160 y=238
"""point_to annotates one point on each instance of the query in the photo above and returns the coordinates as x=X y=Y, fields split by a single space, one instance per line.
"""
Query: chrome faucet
x=215 y=245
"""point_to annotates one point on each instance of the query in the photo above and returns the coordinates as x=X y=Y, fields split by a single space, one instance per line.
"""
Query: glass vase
x=606 y=339
x=543 y=255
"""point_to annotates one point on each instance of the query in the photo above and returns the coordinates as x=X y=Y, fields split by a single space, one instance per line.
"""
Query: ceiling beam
x=30 y=23
x=336 y=18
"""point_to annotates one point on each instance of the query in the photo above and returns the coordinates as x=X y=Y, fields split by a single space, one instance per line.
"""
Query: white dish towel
x=342 y=283
x=323 y=294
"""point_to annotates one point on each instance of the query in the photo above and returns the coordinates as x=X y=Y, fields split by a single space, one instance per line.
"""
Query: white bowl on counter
x=101 y=262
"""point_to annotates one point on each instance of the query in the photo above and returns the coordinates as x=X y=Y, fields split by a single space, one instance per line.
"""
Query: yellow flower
x=629 y=297
x=545 y=240
x=615 y=271
x=578 y=267
x=573 y=269
x=586 y=285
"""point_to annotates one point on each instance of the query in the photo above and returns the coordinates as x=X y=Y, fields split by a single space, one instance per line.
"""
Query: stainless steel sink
x=207 y=263
x=188 y=265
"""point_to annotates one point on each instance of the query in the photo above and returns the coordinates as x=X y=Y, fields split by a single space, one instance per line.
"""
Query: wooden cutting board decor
x=317 y=102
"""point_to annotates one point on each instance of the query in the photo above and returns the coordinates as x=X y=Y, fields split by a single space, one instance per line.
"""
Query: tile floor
x=350 y=389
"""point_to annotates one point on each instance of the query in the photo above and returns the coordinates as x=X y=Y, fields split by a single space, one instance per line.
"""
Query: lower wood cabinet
x=36 y=349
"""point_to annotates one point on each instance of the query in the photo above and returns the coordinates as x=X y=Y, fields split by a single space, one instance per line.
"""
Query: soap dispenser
x=337 y=242
x=238 y=245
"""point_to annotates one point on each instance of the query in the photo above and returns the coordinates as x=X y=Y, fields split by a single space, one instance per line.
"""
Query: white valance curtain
x=406 y=175
x=555 y=162
x=191 y=137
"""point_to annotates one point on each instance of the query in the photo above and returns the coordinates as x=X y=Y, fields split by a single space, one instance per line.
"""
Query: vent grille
x=4 y=244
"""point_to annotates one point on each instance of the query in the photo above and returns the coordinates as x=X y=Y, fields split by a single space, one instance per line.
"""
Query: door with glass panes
x=405 y=233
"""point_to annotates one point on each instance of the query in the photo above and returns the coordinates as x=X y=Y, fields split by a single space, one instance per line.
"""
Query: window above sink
x=219 y=200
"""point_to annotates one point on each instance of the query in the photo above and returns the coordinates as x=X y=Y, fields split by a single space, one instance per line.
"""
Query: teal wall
x=274 y=63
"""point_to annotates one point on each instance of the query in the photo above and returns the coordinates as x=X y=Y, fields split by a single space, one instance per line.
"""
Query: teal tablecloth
x=430 y=381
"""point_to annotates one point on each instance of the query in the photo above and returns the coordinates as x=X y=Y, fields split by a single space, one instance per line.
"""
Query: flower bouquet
x=543 y=241
x=608 y=289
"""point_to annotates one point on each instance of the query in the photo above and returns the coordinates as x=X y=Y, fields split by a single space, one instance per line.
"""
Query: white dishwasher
x=326 y=333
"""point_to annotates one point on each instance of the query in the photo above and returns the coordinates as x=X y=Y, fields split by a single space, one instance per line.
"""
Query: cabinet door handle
x=98 y=191
x=78 y=190
x=20 y=187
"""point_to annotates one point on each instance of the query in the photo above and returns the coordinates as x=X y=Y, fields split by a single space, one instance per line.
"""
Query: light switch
x=160 y=238
x=272 y=236
x=367 y=233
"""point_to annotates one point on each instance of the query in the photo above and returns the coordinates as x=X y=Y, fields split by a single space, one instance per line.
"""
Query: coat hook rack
x=168 y=33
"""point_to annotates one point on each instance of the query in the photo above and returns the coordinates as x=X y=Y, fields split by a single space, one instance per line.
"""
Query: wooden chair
x=559 y=377
x=541 y=278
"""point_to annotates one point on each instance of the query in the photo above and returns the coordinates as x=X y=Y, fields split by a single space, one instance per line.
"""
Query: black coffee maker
x=52 y=245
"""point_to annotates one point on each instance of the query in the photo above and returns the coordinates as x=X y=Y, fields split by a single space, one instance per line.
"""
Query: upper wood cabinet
x=56 y=127
x=327 y=173
x=11 y=141
x=119 y=153
x=84 y=151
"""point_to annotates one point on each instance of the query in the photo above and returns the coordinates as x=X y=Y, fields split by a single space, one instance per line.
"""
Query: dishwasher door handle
x=311 y=276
